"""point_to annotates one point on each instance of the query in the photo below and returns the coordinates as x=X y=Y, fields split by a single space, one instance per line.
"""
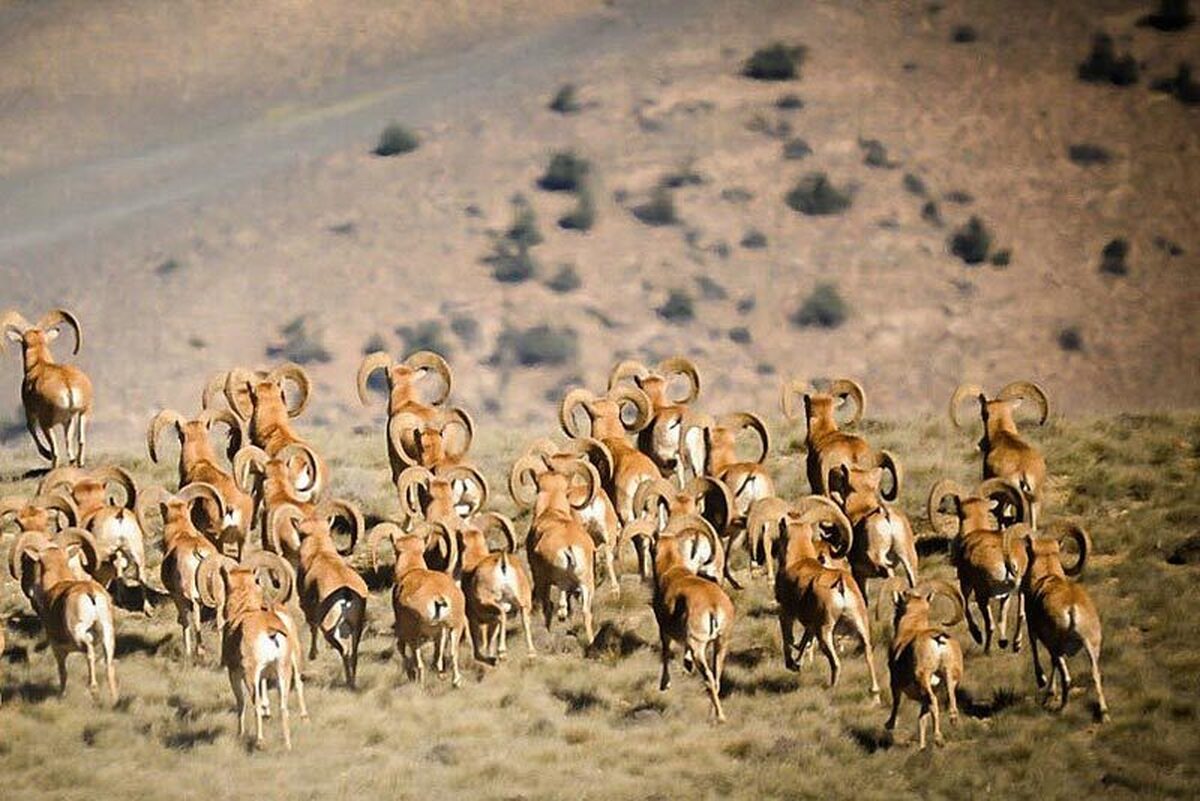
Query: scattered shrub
x=302 y=343
x=824 y=308
x=565 y=100
x=1002 y=258
x=396 y=140
x=914 y=185
x=1112 y=258
x=565 y=280
x=776 y=62
x=1070 y=339
x=746 y=304
x=425 y=335
x=1103 y=65
x=538 y=346
x=796 y=149
x=971 y=242
x=740 y=334
x=511 y=263
x=1087 y=155
x=959 y=197
x=764 y=368
x=565 y=173
x=964 y=34
x=168 y=267
x=197 y=342
x=1181 y=86
x=814 y=195
x=736 y=194
x=710 y=289
x=678 y=307
x=374 y=342
x=1167 y=246
x=583 y=216
x=466 y=328
x=523 y=231
x=931 y=214
x=1172 y=15
x=778 y=129
x=684 y=175
x=875 y=154
x=789 y=102
x=659 y=209
x=721 y=249
x=754 y=239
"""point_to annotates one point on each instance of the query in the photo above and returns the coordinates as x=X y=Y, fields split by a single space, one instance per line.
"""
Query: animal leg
x=966 y=594
x=985 y=611
x=585 y=604
x=825 y=640
x=1017 y=632
x=281 y=674
x=665 y=681
x=864 y=634
x=455 y=675
x=239 y=697
x=83 y=424
x=1065 y=675
x=525 y=624
x=787 y=625
x=1038 y=675
x=60 y=657
x=1093 y=652
x=699 y=649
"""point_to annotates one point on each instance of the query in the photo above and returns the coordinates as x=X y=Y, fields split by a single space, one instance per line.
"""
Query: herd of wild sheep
x=640 y=464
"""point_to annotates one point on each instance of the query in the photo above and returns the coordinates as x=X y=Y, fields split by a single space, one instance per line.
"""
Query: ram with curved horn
x=494 y=584
x=660 y=440
x=76 y=613
x=605 y=422
x=428 y=605
x=447 y=496
x=287 y=477
x=817 y=596
x=985 y=570
x=53 y=395
x=198 y=463
x=48 y=513
x=333 y=596
x=660 y=501
x=117 y=527
x=827 y=445
x=259 y=638
x=883 y=534
x=1060 y=611
x=1006 y=454
x=403 y=390
x=924 y=655
x=599 y=518
x=184 y=549
x=561 y=553
x=691 y=610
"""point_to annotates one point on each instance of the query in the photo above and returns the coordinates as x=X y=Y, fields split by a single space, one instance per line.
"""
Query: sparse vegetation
x=1070 y=339
x=425 y=335
x=659 y=209
x=565 y=280
x=1112 y=257
x=740 y=334
x=754 y=239
x=1170 y=16
x=796 y=148
x=789 y=102
x=511 y=263
x=746 y=304
x=931 y=214
x=914 y=185
x=964 y=34
x=1001 y=258
x=736 y=194
x=710 y=289
x=1088 y=155
x=1103 y=65
x=814 y=195
x=776 y=62
x=168 y=267
x=566 y=172
x=303 y=342
x=538 y=346
x=466 y=328
x=565 y=100
x=396 y=140
x=777 y=128
x=875 y=154
x=971 y=242
x=959 y=197
x=678 y=307
x=583 y=216
x=823 y=308
x=685 y=174
x=1181 y=86
x=523 y=231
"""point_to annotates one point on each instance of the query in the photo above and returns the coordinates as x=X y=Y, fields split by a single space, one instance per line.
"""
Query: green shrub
x=678 y=307
x=659 y=209
x=815 y=196
x=538 y=346
x=425 y=335
x=303 y=343
x=683 y=175
x=776 y=62
x=1070 y=339
x=1112 y=258
x=565 y=280
x=565 y=100
x=824 y=308
x=583 y=216
x=565 y=173
x=789 y=102
x=971 y=242
x=396 y=140
x=511 y=263
x=466 y=328
x=740 y=334
x=168 y=267
x=796 y=149
x=754 y=239
x=523 y=231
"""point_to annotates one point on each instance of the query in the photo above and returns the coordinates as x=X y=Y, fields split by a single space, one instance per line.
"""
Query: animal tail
x=439 y=608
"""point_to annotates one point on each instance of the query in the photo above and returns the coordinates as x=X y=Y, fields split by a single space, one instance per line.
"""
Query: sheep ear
x=14 y=335
x=51 y=335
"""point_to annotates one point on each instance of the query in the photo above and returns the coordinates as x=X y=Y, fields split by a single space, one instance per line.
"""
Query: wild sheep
x=660 y=439
x=494 y=583
x=402 y=378
x=883 y=535
x=828 y=447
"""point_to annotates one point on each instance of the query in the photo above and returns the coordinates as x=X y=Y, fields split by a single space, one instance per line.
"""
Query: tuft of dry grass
x=568 y=726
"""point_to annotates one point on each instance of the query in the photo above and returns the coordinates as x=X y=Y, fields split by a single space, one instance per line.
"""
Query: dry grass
x=566 y=726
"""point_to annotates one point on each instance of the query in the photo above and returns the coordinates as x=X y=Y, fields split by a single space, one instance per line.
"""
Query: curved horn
x=888 y=462
x=16 y=321
x=60 y=477
x=290 y=371
x=378 y=532
x=201 y=490
x=741 y=420
x=236 y=433
x=238 y=385
x=708 y=488
x=679 y=365
x=650 y=495
x=848 y=388
x=787 y=395
x=280 y=515
x=370 y=363
x=430 y=529
x=623 y=371
x=428 y=360
x=1083 y=542
x=1002 y=491
x=164 y=418
x=213 y=389
x=1020 y=531
x=586 y=469
x=495 y=520
x=341 y=508
x=816 y=509
x=597 y=453
x=409 y=479
x=763 y=524
x=457 y=416
x=211 y=567
x=85 y=541
x=1030 y=391
x=112 y=474
x=10 y=507
x=56 y=317
x=35 y=540
x=312 y=461
x=693 y=449
x=566 y=412
x=249 y=456
x=403 y=427
x=943 y=587
x=623 y=394
x=681 y=524
x=522 y=479
x=942 y=523
x=58 y=502
x=963 y=392
x=278 y=567
x=468 y=473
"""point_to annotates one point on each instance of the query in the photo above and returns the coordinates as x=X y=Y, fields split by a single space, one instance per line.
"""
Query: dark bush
x=931 y=214
x=538 y=346
x=303 y=343
x=740 y=334
x=425 y=335
x=736 y=194
x=396 y=140
x=710 y=289
x=168 y=267
x=875 y=154
x=914 y=185
x=779 y=128
x=466 y=328
x=964 y=34
x=1112 y=258
x=796 y=149
x=959 y=197
x=523 y=231
x=824 y=308
x=683 y=175
x=1167 y=246
x=511 y=263
x=1172 y=15
x=1103 y=65
x=789 y=102
x=776 y=62
x=1070 y=339
x=1182 y=87
x=565 y=100
x=971 y=242
x=659 y=209
x=1002 y=258
x=374 y=342
x=1087 y=155
x=814 y=195
x=746 y=304
x=678 y=307
x=754 y=239
x=583 y=216
x=565 y=280
x=565 y=173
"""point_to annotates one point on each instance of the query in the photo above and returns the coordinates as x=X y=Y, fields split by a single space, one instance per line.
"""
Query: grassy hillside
x=566 y=726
